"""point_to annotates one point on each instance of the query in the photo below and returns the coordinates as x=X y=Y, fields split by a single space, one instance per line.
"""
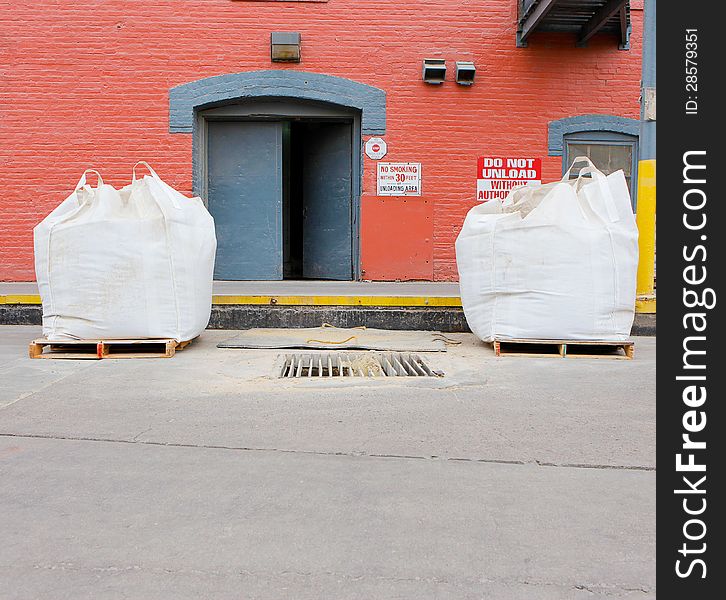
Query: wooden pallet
x=565 y=348
x=98 y=349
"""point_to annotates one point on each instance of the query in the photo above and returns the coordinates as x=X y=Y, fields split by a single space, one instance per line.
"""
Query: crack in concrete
x=607 y=589
x=135 y=440
x=138 y=435
x=602 y=588
x=596 y=466
x=46 y=386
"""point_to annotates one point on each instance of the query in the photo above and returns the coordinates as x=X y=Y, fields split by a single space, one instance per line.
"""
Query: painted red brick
x=85 y=84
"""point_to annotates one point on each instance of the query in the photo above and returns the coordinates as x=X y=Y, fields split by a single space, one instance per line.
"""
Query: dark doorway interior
x=317 y=200
x=293 y=204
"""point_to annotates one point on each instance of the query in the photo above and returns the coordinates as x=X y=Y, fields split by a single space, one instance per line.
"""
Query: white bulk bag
x=131 y=263
x=556 y=261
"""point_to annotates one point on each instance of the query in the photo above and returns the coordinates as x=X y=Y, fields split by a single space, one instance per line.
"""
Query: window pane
x=608 y=158
x=621 y=157
x=600 y=156
x=575 y=150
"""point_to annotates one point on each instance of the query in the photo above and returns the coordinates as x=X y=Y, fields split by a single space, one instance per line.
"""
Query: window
x=609 y=152
x=610 y=141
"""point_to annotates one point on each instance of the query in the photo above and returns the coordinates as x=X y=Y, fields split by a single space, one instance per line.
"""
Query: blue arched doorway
x=277 y=157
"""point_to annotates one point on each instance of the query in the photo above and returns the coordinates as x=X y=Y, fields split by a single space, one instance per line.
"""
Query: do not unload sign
x=497 y=175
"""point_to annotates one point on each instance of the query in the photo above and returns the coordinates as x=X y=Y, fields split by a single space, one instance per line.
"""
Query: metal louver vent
x=363 y=364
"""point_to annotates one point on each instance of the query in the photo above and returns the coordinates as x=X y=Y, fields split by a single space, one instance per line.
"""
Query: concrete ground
x=432 y=289
x=202 y=476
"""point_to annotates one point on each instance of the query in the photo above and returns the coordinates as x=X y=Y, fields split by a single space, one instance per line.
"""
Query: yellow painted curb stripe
x=646 y=305
x=294 y=300
x=338 y=300
x=20 y=299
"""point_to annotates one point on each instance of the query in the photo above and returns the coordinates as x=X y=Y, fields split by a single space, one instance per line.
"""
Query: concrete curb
x=21 y=314
x=446 y=319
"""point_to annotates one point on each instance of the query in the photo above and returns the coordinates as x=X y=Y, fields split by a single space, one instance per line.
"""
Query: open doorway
x=317 y=207
x=282 y=194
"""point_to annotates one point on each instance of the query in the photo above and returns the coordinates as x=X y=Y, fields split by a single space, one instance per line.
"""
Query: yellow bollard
x=645 y=218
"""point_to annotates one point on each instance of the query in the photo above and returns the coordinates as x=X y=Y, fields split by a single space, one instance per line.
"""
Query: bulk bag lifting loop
x=82 y=196
x=147 y=165
x=84 y=191
x=82 y=182
x=138 y=187
x=605 y=195
x=156 y=178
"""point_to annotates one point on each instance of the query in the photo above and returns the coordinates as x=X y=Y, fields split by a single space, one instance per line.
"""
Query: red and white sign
x=496 y=176
x=399 y=179
x=376 y=148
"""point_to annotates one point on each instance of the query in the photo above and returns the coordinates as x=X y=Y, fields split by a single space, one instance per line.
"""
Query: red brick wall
x=85 y=84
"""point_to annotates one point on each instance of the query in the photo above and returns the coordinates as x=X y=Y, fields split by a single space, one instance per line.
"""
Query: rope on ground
x=352 y=337
x=447 y=340
x=334 y=327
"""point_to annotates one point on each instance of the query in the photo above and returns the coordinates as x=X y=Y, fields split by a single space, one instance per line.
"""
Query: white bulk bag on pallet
x=129 y=263
x=556 y=261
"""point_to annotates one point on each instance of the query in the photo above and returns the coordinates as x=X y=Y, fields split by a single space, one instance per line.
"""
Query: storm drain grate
x=351 y=364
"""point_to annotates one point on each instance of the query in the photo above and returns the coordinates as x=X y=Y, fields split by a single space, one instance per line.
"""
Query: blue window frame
x=609 y=152
x=610 y=141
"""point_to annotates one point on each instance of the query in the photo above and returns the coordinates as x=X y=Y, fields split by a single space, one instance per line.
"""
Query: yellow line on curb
x=642 y=305
x=338 y=300
x=20 y=299
x=293 y=300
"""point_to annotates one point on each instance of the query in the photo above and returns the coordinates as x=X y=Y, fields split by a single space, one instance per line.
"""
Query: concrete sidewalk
x=431 y=289
x=203 y=477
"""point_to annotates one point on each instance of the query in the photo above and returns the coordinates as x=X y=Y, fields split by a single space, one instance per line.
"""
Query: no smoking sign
x=376 y=148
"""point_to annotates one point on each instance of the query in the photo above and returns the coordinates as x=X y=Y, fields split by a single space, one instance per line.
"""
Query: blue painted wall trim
x=557 y=130
x=185 y=99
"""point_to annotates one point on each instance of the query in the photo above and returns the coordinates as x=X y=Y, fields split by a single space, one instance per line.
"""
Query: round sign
x=376 y=148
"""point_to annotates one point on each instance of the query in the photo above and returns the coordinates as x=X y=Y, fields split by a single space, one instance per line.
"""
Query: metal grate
x=351 y=364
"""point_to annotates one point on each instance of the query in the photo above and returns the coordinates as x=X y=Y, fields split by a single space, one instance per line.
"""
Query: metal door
x=244 y=167
x=327 y=197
